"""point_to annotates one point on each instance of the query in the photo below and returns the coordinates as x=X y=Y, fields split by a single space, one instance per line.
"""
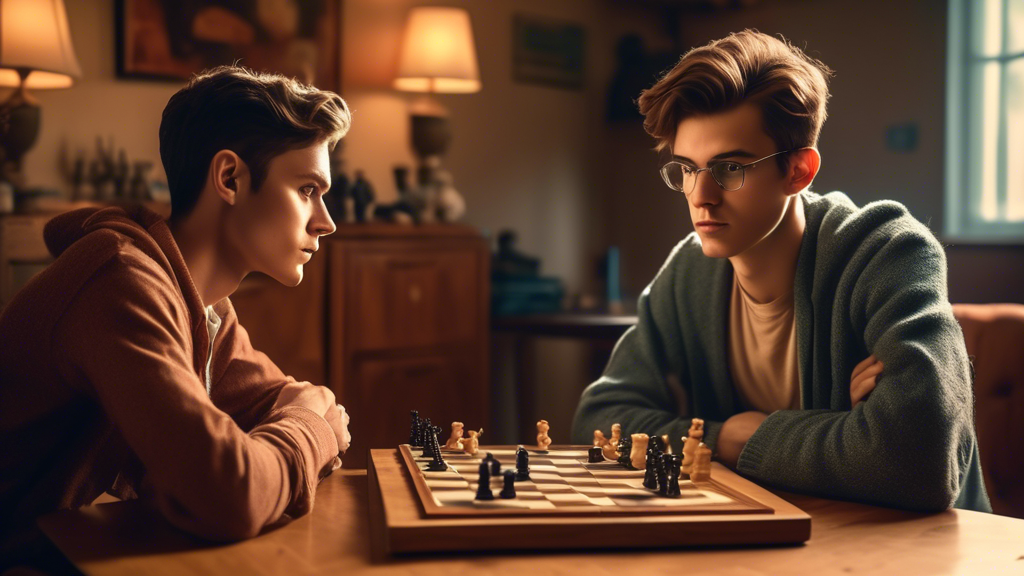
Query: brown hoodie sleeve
x=246 y=382
x=125 y=340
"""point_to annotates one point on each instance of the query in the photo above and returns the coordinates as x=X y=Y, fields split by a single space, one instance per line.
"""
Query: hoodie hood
x=136 y=225
x=131 y=221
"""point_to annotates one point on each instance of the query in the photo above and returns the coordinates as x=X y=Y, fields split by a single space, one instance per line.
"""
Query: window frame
x=964 y=117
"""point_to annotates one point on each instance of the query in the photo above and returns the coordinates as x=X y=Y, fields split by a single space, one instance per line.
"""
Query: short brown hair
x=790 y=87
x=256 y=115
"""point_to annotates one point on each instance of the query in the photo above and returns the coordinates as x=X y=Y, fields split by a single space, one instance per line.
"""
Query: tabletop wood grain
x=124 y=538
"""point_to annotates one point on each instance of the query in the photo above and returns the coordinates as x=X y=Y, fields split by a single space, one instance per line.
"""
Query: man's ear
x=803 y=167
x=230 y=176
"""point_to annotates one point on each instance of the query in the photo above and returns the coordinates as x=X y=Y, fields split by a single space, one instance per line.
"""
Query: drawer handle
x=415 y=294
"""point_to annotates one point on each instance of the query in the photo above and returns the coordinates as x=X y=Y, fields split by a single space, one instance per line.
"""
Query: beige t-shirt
x=762 y=351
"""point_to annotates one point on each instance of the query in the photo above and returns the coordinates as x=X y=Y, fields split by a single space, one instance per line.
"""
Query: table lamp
x=36 y=53
x=437 y=57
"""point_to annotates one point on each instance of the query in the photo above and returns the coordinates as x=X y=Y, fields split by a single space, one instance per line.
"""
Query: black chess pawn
x=414 y=428
x=522 y=464
x=437 y=464
x=427 y=431
x=509 y=490
x=676 y=464
x=662 y=467
x=672 y=490
x=650 y=474
x=625 y=447
x=483 y=489
x=595 y=455
x=657 y=443
x=495 y=465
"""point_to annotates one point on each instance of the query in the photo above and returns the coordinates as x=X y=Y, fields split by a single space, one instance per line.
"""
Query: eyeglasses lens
x=672 y=173
x=728 y=174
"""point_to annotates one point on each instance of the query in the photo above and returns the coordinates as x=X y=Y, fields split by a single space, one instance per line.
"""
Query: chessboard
x=567 y=503
x=561 y=482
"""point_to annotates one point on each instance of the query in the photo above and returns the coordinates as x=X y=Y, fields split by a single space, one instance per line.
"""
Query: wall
x=536 y=159
x=99 y=105
x=889 y=63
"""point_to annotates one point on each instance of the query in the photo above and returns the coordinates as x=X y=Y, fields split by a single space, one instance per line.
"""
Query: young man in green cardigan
x=814 y=337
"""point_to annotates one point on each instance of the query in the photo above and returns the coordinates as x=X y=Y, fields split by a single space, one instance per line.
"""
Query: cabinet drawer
x=22 y=237
x=403 y=298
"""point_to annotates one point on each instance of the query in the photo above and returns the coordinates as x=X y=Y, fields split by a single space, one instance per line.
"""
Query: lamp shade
x=438 y=54
x=34 y=36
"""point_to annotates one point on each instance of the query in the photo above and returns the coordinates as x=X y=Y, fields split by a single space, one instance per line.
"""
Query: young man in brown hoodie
x=123 y=368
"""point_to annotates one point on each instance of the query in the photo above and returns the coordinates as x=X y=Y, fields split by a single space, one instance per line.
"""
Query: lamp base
x=19 y=128
x=431 y=135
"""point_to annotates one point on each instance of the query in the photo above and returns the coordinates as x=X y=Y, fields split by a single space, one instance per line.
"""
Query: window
x=985 y=121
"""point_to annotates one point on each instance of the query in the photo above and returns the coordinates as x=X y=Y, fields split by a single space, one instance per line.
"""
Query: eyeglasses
x=729 y=175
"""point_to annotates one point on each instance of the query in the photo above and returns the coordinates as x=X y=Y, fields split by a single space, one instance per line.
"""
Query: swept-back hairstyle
x=790 y=88
x=256 y=115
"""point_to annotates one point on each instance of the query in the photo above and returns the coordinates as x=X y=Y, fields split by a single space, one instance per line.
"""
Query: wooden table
x=123 y=538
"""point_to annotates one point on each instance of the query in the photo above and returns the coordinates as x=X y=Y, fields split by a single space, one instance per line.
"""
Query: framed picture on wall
x=172 y=39
x=547 y=51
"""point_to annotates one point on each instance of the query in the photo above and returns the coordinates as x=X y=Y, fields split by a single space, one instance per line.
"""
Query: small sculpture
x=362 y=198
x=543 y=440
x=450 y=205
x=599 y=440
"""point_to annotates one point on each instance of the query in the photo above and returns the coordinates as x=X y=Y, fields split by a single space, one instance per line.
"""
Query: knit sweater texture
x=103 y=359
x=869 y=280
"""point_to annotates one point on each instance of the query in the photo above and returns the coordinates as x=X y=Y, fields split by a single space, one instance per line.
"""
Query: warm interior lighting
x=438 y=54
x=35 y=53
x=34 y=36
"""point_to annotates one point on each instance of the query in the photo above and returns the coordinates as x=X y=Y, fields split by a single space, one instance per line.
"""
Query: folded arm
x=909 y=444
x=127 y=342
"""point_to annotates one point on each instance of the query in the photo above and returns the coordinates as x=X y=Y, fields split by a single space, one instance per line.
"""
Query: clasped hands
x=738 y=429
x=320 y=400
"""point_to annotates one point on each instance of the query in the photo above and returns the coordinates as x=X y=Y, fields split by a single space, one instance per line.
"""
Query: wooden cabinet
x=408 y=329
x=23 y=252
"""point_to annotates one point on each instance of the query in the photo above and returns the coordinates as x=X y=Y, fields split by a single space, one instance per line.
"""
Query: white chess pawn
x=611 y=449
x=638 y=455
x=701 y=471
x=543 y=440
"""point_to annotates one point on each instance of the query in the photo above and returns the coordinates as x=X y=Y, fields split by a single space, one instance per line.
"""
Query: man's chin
x=713 y=249
x=290 y=278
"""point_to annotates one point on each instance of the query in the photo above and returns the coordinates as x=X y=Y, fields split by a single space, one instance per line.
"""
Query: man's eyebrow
x=318 y=177
x=730 y=154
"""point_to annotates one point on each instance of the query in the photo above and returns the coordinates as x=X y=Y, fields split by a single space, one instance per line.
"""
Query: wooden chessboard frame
x=399 y=524
x=739 y=504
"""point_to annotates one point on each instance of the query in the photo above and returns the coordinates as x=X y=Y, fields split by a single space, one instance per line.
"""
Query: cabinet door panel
x=413 y=299
x=444 y=388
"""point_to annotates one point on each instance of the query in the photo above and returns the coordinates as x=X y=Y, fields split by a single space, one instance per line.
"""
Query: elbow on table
x=224 y=520
x=928 y=488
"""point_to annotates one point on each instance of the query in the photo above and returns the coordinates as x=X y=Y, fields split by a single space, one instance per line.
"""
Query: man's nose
x=322 y=223
x=705 y=190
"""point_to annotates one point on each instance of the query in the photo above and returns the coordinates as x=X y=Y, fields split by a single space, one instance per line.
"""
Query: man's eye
x=308 y=190
x=688 y=170
x=731 y=167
